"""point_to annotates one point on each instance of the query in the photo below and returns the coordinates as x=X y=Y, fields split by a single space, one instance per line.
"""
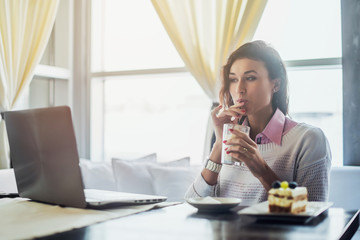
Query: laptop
x=45 y=159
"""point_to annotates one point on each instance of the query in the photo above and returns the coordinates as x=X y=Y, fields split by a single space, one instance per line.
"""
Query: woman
x=254 y=86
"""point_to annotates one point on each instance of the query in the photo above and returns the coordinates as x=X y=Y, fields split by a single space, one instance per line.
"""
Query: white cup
x=227 y=134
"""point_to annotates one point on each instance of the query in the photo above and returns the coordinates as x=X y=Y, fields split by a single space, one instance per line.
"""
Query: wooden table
x=184 y=222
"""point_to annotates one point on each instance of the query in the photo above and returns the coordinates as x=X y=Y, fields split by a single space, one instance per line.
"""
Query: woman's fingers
x=240 y=138
x=230 y=113
x=216 y=110
x=240 y=149
x=241 y=154
x=237 y=108
x=234 y=110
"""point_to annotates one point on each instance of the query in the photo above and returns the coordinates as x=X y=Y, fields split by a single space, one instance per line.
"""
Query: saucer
x=213 y=204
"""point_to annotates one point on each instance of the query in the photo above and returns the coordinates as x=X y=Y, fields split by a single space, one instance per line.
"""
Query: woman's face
x=250 y=83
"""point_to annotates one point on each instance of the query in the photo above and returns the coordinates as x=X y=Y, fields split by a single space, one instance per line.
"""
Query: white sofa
x=143 y=175
x=173 y=180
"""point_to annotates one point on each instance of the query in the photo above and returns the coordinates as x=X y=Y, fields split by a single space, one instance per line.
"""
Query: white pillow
x=134 y=176
x=173 y=182
x=97 y=175
x=182 y=162
x=137 y=157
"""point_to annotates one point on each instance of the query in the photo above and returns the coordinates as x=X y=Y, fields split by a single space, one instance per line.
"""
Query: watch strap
x=213 y=166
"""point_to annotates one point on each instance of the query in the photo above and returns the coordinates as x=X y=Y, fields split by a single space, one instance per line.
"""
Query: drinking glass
x=227 y=134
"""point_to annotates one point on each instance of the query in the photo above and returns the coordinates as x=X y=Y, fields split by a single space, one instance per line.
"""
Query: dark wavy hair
x=258 y=51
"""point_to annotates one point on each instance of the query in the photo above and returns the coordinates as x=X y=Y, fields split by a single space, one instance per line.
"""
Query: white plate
x=213 y=204
x=261 y=210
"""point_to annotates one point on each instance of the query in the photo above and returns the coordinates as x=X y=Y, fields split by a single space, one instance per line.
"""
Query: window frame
x=83 y=19
x=351 y=84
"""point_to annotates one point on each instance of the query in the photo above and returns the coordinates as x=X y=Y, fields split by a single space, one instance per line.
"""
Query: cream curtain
x=205 y=32
x=25 y=28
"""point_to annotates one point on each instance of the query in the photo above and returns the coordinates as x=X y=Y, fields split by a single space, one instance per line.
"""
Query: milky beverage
x=226 y=158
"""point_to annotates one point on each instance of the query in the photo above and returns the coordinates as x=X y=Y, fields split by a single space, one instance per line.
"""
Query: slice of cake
x=287 y=197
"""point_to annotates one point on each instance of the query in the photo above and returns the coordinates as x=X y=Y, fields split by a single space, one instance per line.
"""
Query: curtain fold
x=205 y=32
x=25 y=28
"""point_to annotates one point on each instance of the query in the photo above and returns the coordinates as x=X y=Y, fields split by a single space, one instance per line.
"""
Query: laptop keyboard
x=102 y=195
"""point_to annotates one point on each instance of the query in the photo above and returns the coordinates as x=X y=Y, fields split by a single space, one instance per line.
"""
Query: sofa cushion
x=344 y=185
x=151 y=157
x=173 y=182
x=97 y=175
x=134 y=176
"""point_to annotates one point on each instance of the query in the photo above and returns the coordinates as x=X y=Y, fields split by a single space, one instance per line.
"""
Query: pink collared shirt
x=277 y=127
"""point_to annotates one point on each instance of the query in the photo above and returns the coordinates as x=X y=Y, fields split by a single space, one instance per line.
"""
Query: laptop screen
x=44 y=155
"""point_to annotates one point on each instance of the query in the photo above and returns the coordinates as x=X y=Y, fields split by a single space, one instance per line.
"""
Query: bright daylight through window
x=143 y=100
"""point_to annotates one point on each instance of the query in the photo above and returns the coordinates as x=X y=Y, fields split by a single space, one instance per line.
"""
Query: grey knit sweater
x=304 y=156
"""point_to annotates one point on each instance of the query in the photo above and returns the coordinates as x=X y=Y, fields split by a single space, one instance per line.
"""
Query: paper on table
x=7 y=176
x=37 y=219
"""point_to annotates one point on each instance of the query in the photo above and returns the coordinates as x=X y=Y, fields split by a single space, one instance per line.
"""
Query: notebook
x=45 y=159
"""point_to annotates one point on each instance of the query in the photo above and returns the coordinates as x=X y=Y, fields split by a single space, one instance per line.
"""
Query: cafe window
x=144 y=100
x=309 y=41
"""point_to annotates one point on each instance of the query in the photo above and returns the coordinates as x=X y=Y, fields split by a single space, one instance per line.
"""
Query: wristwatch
x=212 y=166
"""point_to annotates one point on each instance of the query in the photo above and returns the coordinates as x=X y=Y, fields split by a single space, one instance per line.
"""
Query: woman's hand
x=220 y=116
x=243 y=149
